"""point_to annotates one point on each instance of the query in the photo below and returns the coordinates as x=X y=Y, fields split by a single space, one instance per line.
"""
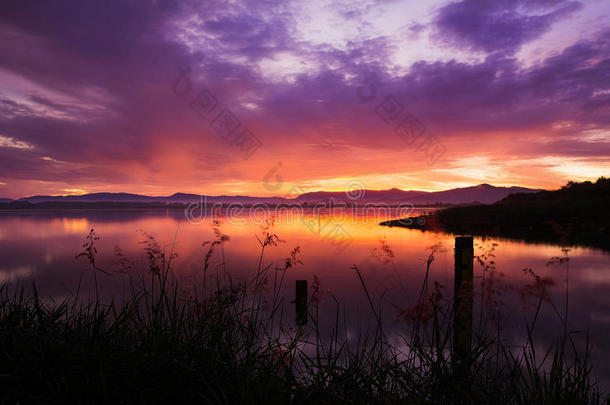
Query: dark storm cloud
x=94 y=30
x=499 y=25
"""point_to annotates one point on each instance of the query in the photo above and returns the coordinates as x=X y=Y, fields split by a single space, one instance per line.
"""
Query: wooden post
x=301 y=302
x=462 y=302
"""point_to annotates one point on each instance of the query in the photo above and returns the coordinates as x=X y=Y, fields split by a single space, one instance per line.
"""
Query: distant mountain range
x=483 y=193
x=138 y=198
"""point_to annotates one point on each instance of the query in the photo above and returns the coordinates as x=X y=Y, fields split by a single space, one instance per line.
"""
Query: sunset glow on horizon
x=129 y=96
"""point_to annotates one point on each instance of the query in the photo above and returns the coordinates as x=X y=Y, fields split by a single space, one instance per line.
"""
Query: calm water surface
x=41 y=246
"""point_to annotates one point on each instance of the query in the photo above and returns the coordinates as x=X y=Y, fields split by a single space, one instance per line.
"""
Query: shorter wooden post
x=301 y=302
x=462 y=301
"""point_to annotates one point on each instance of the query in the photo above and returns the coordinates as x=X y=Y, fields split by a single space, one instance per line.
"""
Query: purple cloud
x=499 y=25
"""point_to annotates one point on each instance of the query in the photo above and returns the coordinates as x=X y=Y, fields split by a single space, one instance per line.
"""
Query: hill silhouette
x=483 y=193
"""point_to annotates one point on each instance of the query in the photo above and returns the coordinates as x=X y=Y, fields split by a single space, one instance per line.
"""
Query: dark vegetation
x=576 y=214
x=223 y=342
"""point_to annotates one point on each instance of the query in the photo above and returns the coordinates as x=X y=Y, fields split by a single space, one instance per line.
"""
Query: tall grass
x=224 y=342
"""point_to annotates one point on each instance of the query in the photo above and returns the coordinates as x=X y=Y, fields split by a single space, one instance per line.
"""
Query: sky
x=268 y=97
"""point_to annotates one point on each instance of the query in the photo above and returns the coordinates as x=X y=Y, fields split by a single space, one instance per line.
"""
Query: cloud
x=94 y=95
x=499 y=25
x=7 y=142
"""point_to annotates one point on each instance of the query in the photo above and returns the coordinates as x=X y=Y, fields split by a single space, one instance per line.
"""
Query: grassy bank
x=224 y=342
x=576 y=214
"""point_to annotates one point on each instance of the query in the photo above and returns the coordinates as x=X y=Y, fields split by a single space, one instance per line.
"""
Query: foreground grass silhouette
x=230 y=343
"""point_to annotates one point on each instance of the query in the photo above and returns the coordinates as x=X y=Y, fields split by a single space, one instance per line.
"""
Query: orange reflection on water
x=75 y=225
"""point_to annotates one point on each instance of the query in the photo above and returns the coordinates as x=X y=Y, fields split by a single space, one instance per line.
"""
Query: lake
x=40 y=246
